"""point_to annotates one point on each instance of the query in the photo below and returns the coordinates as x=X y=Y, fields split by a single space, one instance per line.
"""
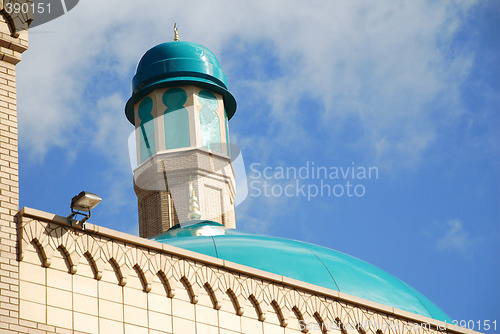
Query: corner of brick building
x=12 y=44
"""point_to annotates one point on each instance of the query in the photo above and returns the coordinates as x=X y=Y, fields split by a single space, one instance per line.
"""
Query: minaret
x=180 y=107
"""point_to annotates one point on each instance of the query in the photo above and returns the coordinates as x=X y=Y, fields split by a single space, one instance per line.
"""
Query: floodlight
x=81 y=204
x=85 y=201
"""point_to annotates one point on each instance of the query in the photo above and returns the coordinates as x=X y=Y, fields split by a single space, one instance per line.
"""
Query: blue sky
x=410 y=88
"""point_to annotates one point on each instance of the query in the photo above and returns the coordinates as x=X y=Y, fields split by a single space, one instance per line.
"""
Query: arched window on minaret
x=176 y=119
x=146 y=129
x=209 y=121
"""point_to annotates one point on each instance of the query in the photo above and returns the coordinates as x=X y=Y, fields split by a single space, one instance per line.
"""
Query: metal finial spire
x=176 y=33
x=194 y=208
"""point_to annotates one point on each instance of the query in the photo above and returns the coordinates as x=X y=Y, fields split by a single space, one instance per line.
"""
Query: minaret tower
x=180 y=107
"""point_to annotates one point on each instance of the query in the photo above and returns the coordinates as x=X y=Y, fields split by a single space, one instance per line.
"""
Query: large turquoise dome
x=302 y=261
x=179 y=63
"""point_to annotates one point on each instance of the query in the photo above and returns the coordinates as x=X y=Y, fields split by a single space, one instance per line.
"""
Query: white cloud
x=457 y=239
x=110 y=129
x=385 y=66
x=382 y=64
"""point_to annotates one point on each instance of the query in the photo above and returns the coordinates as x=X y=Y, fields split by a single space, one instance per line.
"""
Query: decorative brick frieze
x=196 y=287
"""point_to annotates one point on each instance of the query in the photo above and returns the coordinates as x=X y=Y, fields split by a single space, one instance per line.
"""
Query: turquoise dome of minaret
x=179 y=63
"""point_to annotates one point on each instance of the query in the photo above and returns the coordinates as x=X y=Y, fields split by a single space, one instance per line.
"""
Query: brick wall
x=102 y=281
x=11 y=49
x=213 y=179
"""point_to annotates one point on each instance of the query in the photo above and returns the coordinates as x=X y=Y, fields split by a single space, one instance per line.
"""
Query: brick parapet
x=187 y=273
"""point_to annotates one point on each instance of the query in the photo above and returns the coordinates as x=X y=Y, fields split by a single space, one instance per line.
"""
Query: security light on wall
x=81 y=204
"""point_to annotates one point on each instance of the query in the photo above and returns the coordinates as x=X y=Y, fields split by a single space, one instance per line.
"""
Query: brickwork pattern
x=93 y=283
x=12 y=45
x=16 y=23
x=213 y=179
